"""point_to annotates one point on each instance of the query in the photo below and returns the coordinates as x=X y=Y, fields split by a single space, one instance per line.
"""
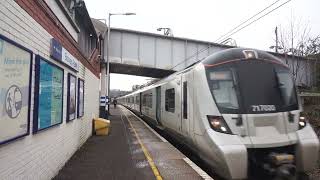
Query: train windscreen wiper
x=279 y=86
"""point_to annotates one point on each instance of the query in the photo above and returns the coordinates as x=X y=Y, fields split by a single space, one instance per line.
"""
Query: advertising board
x=15 y=70
x=49 y=96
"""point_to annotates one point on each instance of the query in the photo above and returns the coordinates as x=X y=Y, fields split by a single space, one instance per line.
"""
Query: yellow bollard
x=101 y=126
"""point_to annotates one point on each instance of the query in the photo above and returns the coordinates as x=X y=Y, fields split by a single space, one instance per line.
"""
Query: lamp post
x=166 y=31
x=102 y=107
x=277 y=47
x=108 y=53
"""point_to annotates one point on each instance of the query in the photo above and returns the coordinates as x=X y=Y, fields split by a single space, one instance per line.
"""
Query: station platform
x=132 y=150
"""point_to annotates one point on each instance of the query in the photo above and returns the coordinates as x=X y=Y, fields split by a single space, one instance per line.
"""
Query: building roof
x=82 y=10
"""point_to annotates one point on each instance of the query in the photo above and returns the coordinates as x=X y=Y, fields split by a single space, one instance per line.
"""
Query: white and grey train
x=238 y=109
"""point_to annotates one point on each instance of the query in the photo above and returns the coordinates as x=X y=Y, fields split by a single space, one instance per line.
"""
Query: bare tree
x=312 y=47
x=291 y=41
x=295 y=40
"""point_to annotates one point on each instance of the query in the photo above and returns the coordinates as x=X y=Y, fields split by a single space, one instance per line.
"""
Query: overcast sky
x=208 y=19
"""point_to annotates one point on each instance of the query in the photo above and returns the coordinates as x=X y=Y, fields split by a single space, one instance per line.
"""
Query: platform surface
x=131 y=151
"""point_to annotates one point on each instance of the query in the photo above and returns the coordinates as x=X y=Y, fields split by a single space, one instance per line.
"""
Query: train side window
x=185 y=100
x=144 y=97
x=170 y=100
x=148 y=100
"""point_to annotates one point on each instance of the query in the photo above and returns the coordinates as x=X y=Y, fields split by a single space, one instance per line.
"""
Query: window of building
x=170 y=100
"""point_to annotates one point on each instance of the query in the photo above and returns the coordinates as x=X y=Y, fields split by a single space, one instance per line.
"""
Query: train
x=238 y=109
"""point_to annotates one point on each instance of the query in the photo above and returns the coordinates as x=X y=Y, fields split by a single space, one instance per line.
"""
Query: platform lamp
x=166 y=31
x=108 y=50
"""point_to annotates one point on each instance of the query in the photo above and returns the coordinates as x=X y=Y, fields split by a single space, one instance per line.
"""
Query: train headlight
x=250 y=54
x=217 y=123
x=302 y=122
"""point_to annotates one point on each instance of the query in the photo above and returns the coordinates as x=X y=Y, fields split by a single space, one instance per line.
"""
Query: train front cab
x=253 y=119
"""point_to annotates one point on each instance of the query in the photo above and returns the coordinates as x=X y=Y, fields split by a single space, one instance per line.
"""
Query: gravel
x=313 y=116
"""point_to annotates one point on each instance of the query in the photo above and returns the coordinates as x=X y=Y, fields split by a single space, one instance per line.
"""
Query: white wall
x=40 y=156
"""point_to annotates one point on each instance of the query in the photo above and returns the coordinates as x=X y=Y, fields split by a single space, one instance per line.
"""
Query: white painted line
x=159 y=136
x=203 y=174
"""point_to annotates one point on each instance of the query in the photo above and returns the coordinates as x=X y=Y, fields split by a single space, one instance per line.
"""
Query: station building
x=49 y=86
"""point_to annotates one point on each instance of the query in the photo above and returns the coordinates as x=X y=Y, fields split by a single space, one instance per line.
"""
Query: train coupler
x=280 y=165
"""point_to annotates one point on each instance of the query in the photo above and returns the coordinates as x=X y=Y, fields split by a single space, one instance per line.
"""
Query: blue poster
x=50 y=95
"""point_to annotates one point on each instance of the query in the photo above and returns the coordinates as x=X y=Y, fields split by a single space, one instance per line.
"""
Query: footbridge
x=154 y=55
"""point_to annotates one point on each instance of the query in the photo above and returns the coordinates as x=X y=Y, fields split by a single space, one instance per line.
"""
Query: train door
x=171 y=102
x=178 y=108
x=184 y=105
x=158 y=105
x=140 y=103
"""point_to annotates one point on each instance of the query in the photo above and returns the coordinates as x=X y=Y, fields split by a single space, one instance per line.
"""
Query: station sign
x=59 y=53
x=103 y=100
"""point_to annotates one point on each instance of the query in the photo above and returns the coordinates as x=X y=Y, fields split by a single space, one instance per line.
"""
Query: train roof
x=240 y=53
x=216 y=58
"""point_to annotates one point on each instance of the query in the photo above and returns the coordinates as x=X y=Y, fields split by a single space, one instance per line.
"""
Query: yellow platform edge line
x=146 y=152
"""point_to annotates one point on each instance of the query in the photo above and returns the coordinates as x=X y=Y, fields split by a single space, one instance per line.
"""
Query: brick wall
x=41 y=13
x=41 y=155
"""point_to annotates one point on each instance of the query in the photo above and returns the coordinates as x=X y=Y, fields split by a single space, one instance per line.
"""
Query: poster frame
x=68 y=97
x=78 y=103
x=30 y=88
x=36 y=95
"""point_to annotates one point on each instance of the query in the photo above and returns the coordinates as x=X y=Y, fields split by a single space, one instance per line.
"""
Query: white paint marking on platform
x=159 y=136
x=201 y=173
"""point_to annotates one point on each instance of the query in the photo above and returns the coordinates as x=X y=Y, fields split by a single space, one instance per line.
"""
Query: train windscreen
x=252 y=87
